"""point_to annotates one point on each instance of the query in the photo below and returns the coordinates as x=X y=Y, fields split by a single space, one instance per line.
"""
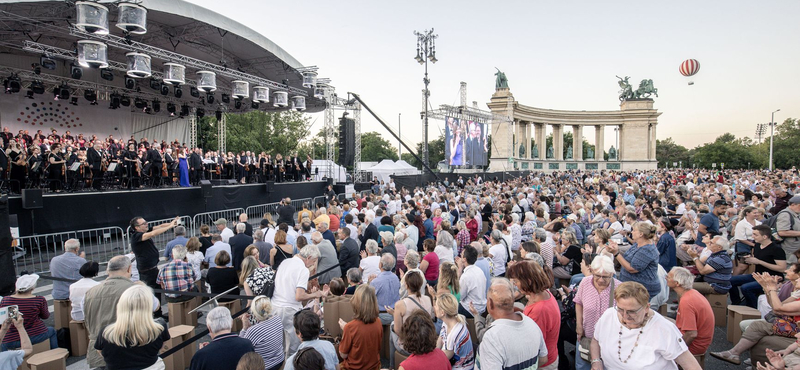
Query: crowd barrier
x=99 y=245
x=208 y=218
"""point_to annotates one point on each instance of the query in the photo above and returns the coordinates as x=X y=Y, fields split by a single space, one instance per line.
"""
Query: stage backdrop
x=17 y=112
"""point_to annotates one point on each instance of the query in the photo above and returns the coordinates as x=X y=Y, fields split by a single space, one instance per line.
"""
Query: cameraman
x=13 y=358
x=286 y=212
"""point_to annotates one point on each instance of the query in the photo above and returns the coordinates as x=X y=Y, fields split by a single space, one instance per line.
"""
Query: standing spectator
x=348 y=252
x=666 y=245
x=501 y=346
x=177 y=275
x=370 y=261
x=225 y=348
x=12 y=359
x=430 y=262
x=788 y=226
x=307 y=327
x=369 y=232
x=180 y=239
x=264 y=248
x=404 y=308
x=222 y=277
x=33 y=310
x=472 y=283
x=146 y=252
x=195 y=258
x=134 y=340
x=239 y=243
x=454 y=339
x=224 y=231
x=282 y=251
x=695 y=318
x=327 y=234
x=286 y=212
x=78 y=289
x=327 y=259
x=291 y=288
x=499 y=252
x=266 y=335
x=542 y=308
x=420 y=334
x=66 y=266
x=248 y=229
x=640 y=262
x=205 y=238
x=361 y=337
x=387 y=288
x=254 y=278
x=594 y=297
x=427 y=223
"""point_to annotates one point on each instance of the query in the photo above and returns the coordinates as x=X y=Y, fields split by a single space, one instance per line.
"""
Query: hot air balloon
x=689 y=68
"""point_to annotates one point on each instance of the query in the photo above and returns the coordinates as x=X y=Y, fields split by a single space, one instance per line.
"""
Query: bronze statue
x=550 y=152
x=612 y=154
x=644 y=91
x=535 y=151
x=501 y=82
x=569 y=153
x=590 y=153
x=626 y=91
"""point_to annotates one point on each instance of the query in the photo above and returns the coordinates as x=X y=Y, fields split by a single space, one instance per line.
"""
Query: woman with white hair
x=444 y=247
x=462 y=237
x=370 y=261
x=412 y=264
x=528 y=227
x=267 y=334
x=595 y=295
x=399 y=236
x=134 y=340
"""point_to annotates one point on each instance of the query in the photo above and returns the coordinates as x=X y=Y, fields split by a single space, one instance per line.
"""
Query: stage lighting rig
x=237 y=103
x=226 y=98
x=75 y=71
x=115 y=102
x=130 y=83
x=171 y=109
x=178 y=92
x=37 y=87
x=184 y=110
x=200 y=112
x=139 y=103
x=91 y=96
x=164 y=89
x=63 y=92
x=218 y=115
x=73 y=100
x=156 y=106
x=210 y=98
x=125 y=101
x=155 y=84
x=106 y=74
x=193 y=92
x=13 y=84
x=47 y=63
x=37 y=69
x=254 y=105
x=29 y=94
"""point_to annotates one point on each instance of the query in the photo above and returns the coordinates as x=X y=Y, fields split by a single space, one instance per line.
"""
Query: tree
x=270 y=132
x=785 y=150
x=727 y=149
x=668 y=152
x=435 y=153
x=207 y=133
x=375 y=148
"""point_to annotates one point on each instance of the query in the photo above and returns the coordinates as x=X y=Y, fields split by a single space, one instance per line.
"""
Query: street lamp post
x=771 y=134
x=426 y=50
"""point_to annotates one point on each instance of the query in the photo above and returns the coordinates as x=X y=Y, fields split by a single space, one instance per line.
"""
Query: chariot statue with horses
x=645 y=90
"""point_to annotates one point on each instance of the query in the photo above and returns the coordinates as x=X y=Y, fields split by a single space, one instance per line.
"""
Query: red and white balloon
x=689 y=68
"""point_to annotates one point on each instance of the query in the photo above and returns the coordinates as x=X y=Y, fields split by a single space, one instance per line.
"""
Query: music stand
x=75 y=166
x=112 y=167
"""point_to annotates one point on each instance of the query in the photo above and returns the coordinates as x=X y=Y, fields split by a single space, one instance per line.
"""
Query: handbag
x=784 y=326
x=586 y=342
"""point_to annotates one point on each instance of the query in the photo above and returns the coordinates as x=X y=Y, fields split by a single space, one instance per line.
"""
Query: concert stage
x=80 y=211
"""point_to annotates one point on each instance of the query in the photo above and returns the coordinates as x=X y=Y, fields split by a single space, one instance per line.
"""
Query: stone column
x=577 y=142
x=652 y=141
x=540 y=135
x=599 y=145
x=528 y=146
x=558 y=142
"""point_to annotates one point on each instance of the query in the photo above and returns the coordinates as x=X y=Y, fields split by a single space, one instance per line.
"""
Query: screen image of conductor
x=465 y=142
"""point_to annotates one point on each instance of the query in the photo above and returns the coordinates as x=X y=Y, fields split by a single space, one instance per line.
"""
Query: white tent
x=387 y=167
x=320 y=168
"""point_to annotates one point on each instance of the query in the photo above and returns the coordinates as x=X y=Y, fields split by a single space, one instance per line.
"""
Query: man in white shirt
x=291 y=284
x=211 y=252
x=224 y=231
x=472 y=283
x=498 y=253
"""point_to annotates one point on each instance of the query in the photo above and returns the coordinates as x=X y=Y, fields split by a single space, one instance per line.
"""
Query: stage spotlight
x=254 y=105
x=90 y=95
x=226 y=98
x=218 y=115
x=125 y=101
x=184 y=110
x=106 y=74
x=171 y=108
x=75 y=71
x=55 y=94
x=29 y=94
x=47 y=63
x=237 y=103
x=210 y=98
x=201 y=112
x=132 y=18
x=36 y=69
x=164 y=89
x=37 y=87
x=130 y=83
x=178 y=92
x=115 y=101
x=139 y=103
x=63 y=92
x=193 y=92
x=155 y=84
x=73 y=100
x=156 y=106
x=147 y=110
x=13 y=84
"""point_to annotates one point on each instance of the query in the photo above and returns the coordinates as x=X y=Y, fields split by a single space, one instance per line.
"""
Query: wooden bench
x=62 y=313
x=719 y=303
x=54 y=359
x=179 y=360
x=735 y=315
x=40 y=347
x=179 y=312
x=78 y=337
x=398 y=358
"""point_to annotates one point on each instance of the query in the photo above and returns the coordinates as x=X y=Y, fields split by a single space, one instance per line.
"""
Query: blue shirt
x=387 y=289
x=644 y=260
x=181 y=240
x=720 y=279
x=628 y=198
x=666 y=251
x=712 y=225
x=223 y=353
x=483 y=264
x=325 y=348
x=428 y=228
x=65 y=266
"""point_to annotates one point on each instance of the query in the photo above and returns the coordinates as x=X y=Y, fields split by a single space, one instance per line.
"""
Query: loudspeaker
x=206 y=186
x=270 y=187
x=7 y=280
x=232 y=182
x=32 y=199
x=347 y=141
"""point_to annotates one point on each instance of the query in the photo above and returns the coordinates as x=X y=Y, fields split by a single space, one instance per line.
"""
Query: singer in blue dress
x=183 y=166
x=457 y=149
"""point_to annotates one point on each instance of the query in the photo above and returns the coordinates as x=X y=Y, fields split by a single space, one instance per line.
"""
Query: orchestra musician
x=132 y=164
x=153 y=164
x=18 y=166
x=280 y=167
x=3 y=162
x=195 y=166
x=309 y=162
x=171 y=164
x=241 y=165
x=56 y=168
x=94 y=158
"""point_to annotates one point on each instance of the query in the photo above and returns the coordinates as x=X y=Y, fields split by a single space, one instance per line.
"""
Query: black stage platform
x=80 y=211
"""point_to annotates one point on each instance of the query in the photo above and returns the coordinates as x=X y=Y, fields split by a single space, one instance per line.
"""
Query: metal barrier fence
x=208 y=218
x=162 y=240
x=256 y=213
x=35 y=252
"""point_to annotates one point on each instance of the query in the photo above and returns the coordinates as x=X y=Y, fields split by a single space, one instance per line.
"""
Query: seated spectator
x=78 y=289
x=307 y=326
x=640 y=262
x=251 y=361
x=419 y=334
x=66 y=266
x=134 y=340
x=354 y=280
x=415 y=300
x=387 y=288
x=472 y=282
x=568 y=255
x=337 y=287
x=11 y=359
x=253 y=251
x=370 y=261
x=222 y=277
x=401 y=250
x=309 y=359
x=177 y=275
x=361 y=337
x=445 y=245
x=695 y=318
x=448 y=281
x=454 y=339
x=253 y=278
x=180 y=239
x=34 y=310
x=769 y=257
x=412 y=264
x=266 y=334
x=387 y=244
x=716 y=269
x=211 y=252
x=225 y=349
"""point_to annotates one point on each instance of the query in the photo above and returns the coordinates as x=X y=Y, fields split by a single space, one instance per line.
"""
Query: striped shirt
x=267 y=338
x=33 y=310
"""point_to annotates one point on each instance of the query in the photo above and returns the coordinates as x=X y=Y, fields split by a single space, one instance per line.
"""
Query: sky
x=556 y=55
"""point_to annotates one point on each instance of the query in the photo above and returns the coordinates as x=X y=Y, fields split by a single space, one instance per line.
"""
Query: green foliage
x=668 y=152
x=734 y=153
x=207 y=133
x=273 y=133
x=435 y=153
x=375 y=148
x=786 y=144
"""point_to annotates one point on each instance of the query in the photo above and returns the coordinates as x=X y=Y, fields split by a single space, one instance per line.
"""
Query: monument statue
x=612 y=154
x=521 y=150
x=626 y=91
x=589 y=153
x=550 y=152
x=501 y=82
x=644 y=91
x=535 y=151
x=569 y=153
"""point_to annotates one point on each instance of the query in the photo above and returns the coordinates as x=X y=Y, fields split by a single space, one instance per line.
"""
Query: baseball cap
x=721 y=202
x=26 y=282
x=221 y=221
x=795 y=199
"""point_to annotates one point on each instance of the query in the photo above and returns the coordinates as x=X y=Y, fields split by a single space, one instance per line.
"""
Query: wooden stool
x=40 y=347
x=718 y=303
x=398 y=358
x=234 y=306
x=78 y=337
x=735 y=315
x=385 y=343
x=63 y=309
x=179 y=312
x=179 y=360
x=54 y=359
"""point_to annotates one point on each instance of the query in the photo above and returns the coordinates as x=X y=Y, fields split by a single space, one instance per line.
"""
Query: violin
x=164 y=169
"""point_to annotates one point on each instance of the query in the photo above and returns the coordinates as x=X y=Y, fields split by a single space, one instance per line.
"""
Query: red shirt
x=547 y=315
x=432 y=273
x=33 y=310
x=695 y=313
x=434 y=360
